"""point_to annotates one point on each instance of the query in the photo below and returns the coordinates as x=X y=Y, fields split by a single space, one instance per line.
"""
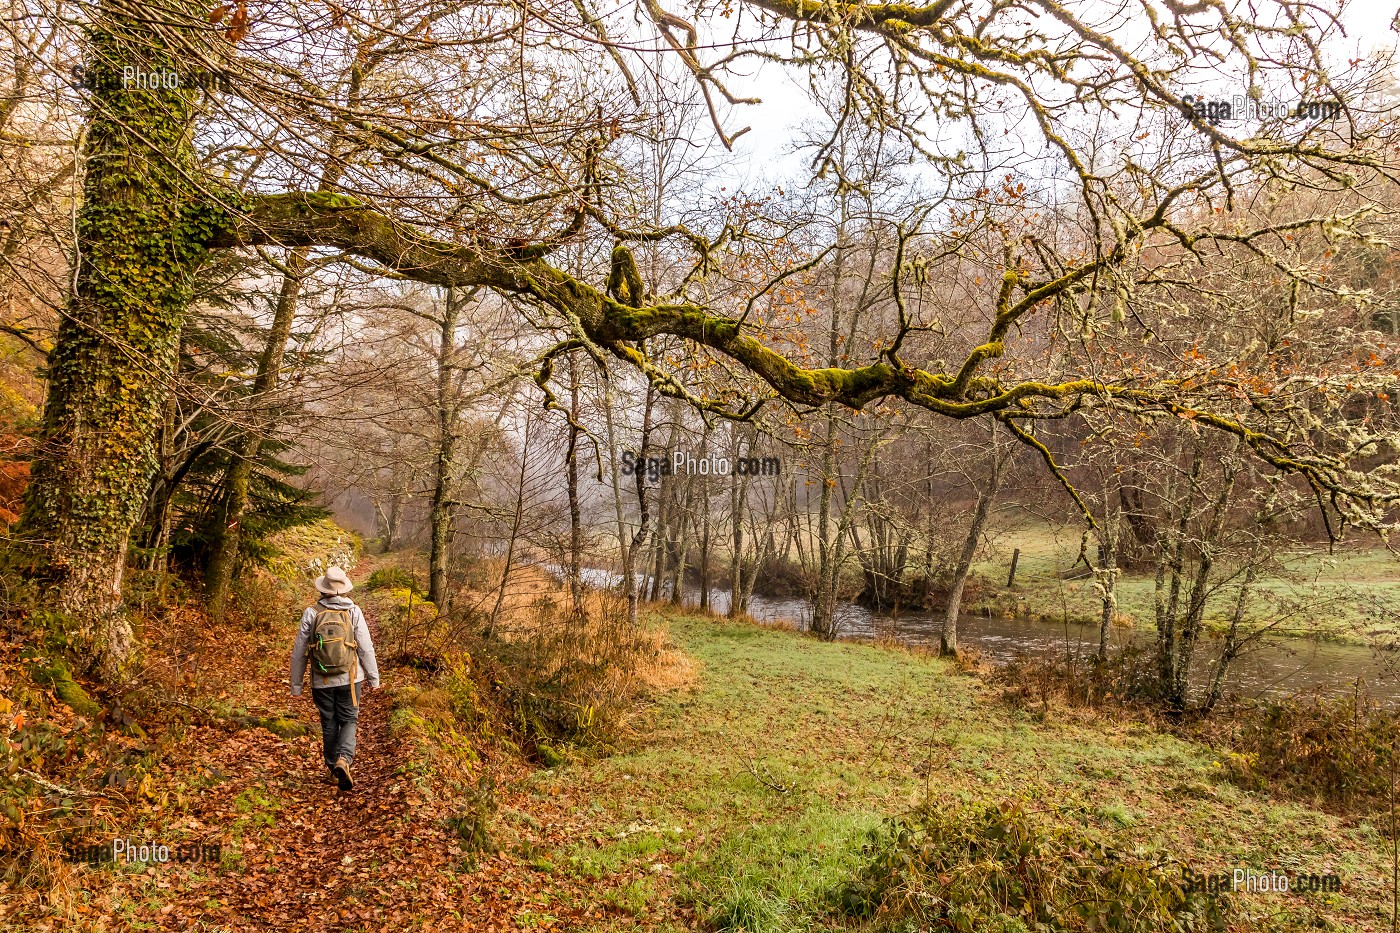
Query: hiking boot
x=342 y=774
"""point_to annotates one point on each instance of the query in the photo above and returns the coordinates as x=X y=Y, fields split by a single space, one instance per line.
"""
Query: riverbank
x=746 y=800
x=1348 y=596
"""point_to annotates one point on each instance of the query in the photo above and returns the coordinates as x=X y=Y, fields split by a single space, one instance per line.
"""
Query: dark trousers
x=339 y=718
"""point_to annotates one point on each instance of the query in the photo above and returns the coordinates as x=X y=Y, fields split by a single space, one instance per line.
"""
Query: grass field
x=747 y=798
x=1352 y=594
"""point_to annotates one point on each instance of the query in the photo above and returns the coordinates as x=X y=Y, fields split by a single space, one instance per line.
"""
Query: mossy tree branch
x=314 y=220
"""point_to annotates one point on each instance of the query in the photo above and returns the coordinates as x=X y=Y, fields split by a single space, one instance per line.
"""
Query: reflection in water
x=1281 y=667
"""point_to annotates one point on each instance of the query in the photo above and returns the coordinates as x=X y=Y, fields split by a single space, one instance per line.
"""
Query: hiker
x=334 y=642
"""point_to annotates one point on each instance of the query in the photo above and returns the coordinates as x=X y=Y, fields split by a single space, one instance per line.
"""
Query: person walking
x=333 y=642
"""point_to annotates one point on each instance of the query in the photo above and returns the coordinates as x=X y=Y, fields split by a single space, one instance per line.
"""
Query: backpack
x=333 y=648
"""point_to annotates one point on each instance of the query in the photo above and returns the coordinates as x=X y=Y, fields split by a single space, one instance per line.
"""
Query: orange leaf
x=238 y=26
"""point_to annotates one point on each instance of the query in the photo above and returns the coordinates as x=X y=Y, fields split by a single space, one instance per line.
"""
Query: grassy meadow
x=1350 y=594
x=745 y=800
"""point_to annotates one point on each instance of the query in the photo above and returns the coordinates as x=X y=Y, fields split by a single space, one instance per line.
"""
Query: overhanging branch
x=302 y=219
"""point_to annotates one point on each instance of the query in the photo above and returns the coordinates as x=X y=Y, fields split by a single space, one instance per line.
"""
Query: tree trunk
x=658 y=536
x=141 y=233
x=1233 y=642
x=615 y=485
x=828 y=570
x=763 y=553
x=575 y=512
x=229 y=528
x=1107 y=571
x=738 y=496
x=514 y=533
x=666 y=506
x=680 y=547
x=1108 y=580
x=1171 y=556
x=440 y=513
x=705 y=526
x=948 y=641
x=391 y=521
x=633 y=551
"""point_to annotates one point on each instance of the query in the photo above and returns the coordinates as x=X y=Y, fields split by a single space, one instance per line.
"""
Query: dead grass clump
x=1121 y=680
x=518 y=656
x=579 y=680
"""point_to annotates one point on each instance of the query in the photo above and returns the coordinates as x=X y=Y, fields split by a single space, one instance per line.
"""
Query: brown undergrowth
x=202 y=744
x=559 y=680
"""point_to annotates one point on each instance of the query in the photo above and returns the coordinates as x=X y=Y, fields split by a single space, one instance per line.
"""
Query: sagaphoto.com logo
x=684 y=464
x=139 y=78
x=1242 y=108
x=143 y=852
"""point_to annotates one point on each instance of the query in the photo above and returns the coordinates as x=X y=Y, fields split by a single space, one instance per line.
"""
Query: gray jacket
x=368 y=666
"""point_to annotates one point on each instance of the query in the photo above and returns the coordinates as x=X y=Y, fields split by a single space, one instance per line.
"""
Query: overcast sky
x=763 y=156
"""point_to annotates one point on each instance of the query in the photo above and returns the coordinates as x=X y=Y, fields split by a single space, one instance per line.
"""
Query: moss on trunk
x=141 y=232
x=54 y=674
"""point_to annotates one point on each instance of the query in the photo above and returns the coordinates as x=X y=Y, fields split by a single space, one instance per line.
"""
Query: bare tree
x=453 y=193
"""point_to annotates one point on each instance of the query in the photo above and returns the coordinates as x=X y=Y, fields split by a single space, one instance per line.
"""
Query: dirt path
x=300 y=855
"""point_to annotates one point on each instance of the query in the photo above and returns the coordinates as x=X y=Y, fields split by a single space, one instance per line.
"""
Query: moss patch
x=280 y=726
x=55 y=674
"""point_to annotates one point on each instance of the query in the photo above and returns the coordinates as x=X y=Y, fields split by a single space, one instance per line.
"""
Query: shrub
x=781 y=579
x=1340 y=752
x=262 y=603
x=472 y=823
x=459 y=685
x=1126 y=676
x=998 y=870
x=566 y=681
x=392 y=578
x=414 y=634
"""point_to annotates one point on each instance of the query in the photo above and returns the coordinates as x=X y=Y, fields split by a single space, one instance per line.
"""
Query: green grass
x=1350 y=595
x=753 y=792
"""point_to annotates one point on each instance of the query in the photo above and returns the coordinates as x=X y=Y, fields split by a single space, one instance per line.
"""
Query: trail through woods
x=300 y=855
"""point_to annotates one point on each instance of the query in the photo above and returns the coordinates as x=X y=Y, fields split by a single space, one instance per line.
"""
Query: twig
x=770 y=782
x=58 y=788
x=1394 y=852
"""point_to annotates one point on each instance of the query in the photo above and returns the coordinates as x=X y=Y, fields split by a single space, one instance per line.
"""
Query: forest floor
x=741 y=803
x=297 y=853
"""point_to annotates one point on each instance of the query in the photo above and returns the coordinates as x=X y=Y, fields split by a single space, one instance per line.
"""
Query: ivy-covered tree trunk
x=140 y=231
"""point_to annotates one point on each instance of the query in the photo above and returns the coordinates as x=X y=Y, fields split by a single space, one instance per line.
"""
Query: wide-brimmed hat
x=334 y=583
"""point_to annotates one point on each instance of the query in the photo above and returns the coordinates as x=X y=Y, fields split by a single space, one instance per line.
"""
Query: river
x=1277 y=667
